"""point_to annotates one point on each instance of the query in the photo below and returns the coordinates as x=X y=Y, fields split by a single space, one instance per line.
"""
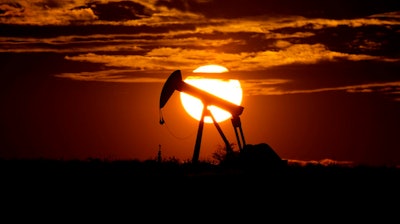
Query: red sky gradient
x=83 y=79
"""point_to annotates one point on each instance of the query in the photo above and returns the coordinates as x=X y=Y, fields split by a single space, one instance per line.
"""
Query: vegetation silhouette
x=252 y=165
x=174 y=180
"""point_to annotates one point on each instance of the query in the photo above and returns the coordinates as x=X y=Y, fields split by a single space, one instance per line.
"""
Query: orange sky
x=83 y=78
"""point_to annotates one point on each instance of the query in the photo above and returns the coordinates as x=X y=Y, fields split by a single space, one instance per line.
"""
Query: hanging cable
x=162 y=122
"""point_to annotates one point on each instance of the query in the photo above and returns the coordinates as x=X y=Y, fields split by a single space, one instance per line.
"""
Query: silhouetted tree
x=222 y=156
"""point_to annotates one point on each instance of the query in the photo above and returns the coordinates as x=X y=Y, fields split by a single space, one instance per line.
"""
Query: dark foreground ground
x=171 y=190
x=42 y=170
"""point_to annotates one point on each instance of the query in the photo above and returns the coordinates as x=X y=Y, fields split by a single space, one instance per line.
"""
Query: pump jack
x=174 y=82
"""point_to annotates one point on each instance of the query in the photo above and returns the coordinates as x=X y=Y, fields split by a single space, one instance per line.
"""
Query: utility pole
x=159 y=159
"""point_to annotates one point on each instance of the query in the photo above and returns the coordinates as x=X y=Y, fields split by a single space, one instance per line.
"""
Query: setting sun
x=210 y=69
x=229 y=90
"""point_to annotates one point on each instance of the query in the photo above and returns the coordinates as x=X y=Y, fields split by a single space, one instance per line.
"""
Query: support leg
x=196 y=152
x=237 y=124
x=227 y=145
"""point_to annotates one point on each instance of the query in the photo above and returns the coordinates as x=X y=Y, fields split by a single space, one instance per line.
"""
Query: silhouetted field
x=169 y=189
x=161 y=184
x=152 y=169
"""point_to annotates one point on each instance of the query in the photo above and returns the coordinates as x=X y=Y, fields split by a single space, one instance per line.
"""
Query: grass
x=174 y=168
x=186 y=185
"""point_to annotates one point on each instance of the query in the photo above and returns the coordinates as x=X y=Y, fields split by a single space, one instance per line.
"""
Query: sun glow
x=210 y=69
x=229 y=90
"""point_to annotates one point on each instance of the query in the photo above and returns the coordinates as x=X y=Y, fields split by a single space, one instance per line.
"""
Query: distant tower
x=159 y=154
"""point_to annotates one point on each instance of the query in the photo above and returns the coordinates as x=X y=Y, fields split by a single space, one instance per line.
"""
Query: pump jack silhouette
x=174 y=82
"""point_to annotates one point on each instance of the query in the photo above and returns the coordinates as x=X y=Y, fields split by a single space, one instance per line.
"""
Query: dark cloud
x=11 y=9
x=333 y=74
x=54 y=31
x=119 y=11
x=308 y=8
x=369 y=39
x=50 y=4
